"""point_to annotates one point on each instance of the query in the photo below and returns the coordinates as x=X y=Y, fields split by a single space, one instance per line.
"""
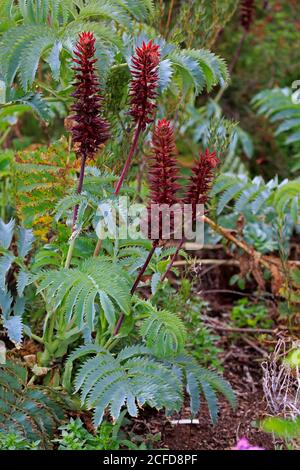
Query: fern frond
x=107 y=10
x=287 y=197
x=199 y=68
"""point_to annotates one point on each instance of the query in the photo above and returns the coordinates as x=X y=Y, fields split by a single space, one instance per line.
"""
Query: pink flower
x=244 y=444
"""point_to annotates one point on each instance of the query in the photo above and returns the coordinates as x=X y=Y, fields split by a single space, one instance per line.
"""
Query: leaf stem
x=70 y=253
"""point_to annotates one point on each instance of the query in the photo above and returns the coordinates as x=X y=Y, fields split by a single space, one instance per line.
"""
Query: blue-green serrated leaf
x=14 y=328
x=154 y=282
x=5 y=302
x=108 y=308
x=25 y=241
x=5 y=264
x=6 y=233
x=193 y=390
x=22 y=280
x=165 y=74
x=53 y=59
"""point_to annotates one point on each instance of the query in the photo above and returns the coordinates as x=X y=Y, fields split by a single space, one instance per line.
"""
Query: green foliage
x=206 y=125
x=263 y=205
x=136 y=377
x=23 y=46
x=13 y=441
x=200 y=340
x=282 y=106
x=164 y=332
x=75 y=437
x=77 y=291
x=285 y=428
x=199 y=23
x=34 y=413
x=13 y=308
x=42 y=178
x=245 y=314
x=200 y=381
x=108 y=436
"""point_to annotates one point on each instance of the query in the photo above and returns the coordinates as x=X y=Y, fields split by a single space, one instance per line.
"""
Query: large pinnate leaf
x=78 y=291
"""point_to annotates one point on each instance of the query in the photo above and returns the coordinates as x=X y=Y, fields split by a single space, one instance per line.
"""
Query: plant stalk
x=97 y=248
x=75 y=212
x=136 y=283
x=169 y=267
x=129 y=158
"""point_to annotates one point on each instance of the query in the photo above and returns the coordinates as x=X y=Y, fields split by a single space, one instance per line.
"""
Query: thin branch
x=172 y=260
x=169 y=17
x=129 y=158
x=233 y=329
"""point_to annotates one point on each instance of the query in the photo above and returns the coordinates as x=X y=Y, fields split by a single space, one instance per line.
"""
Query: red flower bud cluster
x=247 y=13
x=143 y=87
x=89 y=130
x=163 y=166
x=201 y=179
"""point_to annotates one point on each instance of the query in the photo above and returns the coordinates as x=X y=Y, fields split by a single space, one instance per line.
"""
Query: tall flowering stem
x=197 y=190
x=143 y=93
x=163 y=186
x=89 y=130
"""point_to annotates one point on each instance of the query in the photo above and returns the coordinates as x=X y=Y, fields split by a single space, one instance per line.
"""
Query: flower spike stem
x=75 y=213
x=136 y=283
x=169 y=267
x=129 y=158
x=143 y=94
x=89 y=129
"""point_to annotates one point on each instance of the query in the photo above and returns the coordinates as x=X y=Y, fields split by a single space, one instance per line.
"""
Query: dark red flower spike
x=247 y=11
x=144 y=84
x=143 y=93
x=201 y=179
x=163 y=175
x=163 y=171
x=89 y=130
x=197 y=191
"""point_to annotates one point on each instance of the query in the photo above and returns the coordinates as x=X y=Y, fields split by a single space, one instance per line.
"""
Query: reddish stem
x=79 y=188
x=169 y=17
x=129 y=158
x=237 y=52
x=136 y=283
x=169 y=267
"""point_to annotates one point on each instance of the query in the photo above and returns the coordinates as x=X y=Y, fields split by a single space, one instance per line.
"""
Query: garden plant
x=149 y=225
